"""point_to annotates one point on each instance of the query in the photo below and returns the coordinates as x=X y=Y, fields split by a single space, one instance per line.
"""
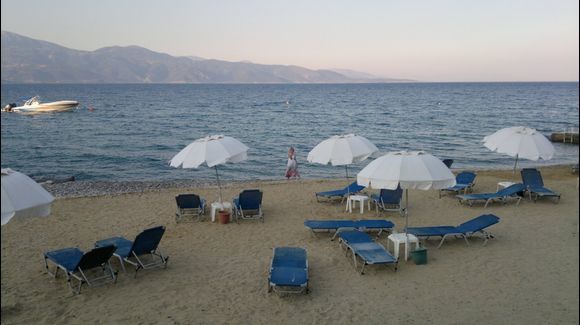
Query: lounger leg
x=122 y=263
x=442 y=240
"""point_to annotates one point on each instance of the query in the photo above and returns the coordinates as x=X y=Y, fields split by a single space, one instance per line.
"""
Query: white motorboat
x=34 y=105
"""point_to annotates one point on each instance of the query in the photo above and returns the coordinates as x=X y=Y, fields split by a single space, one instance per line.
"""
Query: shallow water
x=130 y=132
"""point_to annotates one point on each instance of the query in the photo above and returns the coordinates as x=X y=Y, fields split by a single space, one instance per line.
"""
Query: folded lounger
x=189 y=205
x=534 y=184
x=467 y=229
x=361 y=245
x=353 y=188
x=288 y=270
x=464 y=181
x=134 y=252
x=248 y=205
x=502 y=195
x=78 y=265
x=379 y=225
x=389 y=200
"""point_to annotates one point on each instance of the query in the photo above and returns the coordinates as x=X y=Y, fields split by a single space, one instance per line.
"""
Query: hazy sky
x=437 y=40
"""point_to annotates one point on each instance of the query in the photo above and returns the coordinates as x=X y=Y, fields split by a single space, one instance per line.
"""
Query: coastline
x=78 y=189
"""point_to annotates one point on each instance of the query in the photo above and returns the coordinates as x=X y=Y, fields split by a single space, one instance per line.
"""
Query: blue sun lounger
x=389 y=200
x=135 y=252
x=288 y=270
x=361 y=245
x=464 y=181
x=502 y=195
x=467 y=229
x=353 y=188
x=76 y=264
x=379 y=225
x=189 y=205
x=248 y=205
x=534 y=184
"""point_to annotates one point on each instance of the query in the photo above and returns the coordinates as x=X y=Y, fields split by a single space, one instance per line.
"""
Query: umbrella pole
x=406 y=209
x=218 y=181
x=346 y=170
x=515 y=166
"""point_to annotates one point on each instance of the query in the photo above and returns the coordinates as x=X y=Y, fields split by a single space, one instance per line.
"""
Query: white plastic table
x=402 y=238
x=360 y=199
x=505 y=184
x=216 y=206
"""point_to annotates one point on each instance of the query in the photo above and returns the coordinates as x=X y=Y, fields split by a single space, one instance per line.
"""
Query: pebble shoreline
x=89 y=188
x=75 y=189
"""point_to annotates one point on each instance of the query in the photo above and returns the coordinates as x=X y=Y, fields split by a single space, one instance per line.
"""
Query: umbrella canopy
x=520 y=142
x=213 y=151
x=23 y=197
x=410 y=170
x=341 y=150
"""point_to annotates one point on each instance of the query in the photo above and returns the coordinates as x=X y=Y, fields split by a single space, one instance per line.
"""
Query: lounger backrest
x=448 y=162
x=391 y=196
x=511 y=190
x=188 y=201
x=477 y=224
x=289 y=257
x=148 y=240
x=354 y=188
x=250 y=199
x=465 y=177
x=96 y=257
x=532 y=177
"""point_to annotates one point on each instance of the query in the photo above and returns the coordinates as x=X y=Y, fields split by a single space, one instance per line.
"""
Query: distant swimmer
x=91 y=109
x=287 y=102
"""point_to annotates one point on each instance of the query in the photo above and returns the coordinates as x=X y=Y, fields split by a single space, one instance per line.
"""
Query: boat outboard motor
x=8 y=108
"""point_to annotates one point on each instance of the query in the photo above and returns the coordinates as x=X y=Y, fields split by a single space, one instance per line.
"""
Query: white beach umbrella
x=520 y=142
x=341 y=150
x=23 y=197
x=410 y=170
x=213 y=151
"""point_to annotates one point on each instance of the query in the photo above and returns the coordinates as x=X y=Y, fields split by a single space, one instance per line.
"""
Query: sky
x=425 y=40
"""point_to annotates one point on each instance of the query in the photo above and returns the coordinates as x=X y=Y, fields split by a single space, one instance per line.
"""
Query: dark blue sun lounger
x=76 y=264
x=502 y=195
x=467 y=229
x=534 y=184
x=389 y=200
x=464 y=181
x=334 y=225
x=248 y=205
x=288 y=270
x=353 y=188
x=189 y=205
x=145 y=246
x=361 y=245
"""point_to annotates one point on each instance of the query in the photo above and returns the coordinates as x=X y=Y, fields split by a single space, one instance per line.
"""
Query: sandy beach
x=217 y=274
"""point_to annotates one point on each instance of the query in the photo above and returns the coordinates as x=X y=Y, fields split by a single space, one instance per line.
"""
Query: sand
x=217 y=274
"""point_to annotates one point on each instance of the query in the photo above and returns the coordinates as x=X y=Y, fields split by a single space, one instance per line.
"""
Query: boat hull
x=60 y=106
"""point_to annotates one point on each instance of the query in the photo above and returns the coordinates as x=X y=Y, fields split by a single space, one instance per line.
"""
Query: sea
x=130 y=132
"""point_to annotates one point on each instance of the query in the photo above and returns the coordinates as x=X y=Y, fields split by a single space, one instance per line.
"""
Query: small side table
x=402 y=238
x=505 y=184
x=216 y=206
x=361 y=200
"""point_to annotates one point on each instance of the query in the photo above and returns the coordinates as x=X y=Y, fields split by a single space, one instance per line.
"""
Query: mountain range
x=27 y=60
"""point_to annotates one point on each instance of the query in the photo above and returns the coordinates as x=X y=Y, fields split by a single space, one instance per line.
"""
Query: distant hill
x=26 y=60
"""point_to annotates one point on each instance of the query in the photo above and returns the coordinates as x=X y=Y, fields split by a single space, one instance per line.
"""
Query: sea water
x=130 y=132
